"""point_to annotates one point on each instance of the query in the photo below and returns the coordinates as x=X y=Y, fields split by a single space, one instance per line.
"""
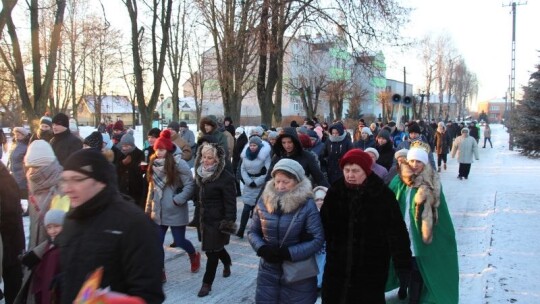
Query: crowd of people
x=367 y=206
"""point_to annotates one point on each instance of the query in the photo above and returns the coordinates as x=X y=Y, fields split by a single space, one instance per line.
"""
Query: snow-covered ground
x=495 y=214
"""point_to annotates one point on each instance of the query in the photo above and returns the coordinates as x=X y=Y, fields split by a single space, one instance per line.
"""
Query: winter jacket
x=110 y=232
x=216 y=196
x=334 y=150
x=386 y=155
x=130 y=176
x=364 y=144
x=219 y=137
x=364 y=228
x=487 y=132
x=467 y=148
x=239 y=146
x=442 y=142
x=172 y=208
x=306 y=159
x=474 y=133
x=64 y=144
x=16 y=162
x=183 y=145
x=42 y=189
x=188 y=136
x=271 y=219
x=254 y=171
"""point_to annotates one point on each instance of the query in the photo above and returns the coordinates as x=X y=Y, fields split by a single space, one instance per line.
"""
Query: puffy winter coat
x=467 y=148
x=183 y=145
x=442 y=142
x=254 y=171
x=172 y=208
x=335 y=149
x=219 y=137
x=64 y=144
x=271 y=219
x=363 y=228
x=216 y=196
x=364 y=144
x=130 y=176
x=16 y=162
x=111 y=232
x=386 y=155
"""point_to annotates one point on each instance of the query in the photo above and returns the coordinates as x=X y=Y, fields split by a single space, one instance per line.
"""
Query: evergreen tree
x=525 y=119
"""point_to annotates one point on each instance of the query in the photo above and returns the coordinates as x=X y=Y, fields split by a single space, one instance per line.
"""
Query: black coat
x=239 y=145
x=11 y=223
x=363 y=228
x=112 y=232
x=130 y=176
x=64 y=144
x=386 y=155
x=216 y=197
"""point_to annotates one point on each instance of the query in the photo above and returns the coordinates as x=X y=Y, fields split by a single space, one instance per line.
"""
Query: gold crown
x=420 y=145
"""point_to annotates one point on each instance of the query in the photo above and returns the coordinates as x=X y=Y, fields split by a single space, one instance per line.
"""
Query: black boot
x=415 y=287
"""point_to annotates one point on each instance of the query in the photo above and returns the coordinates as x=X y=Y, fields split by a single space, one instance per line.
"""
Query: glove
x=228 y=227
x=269 y=254
x=30 y=259
x=284 y=254
x=253 y=185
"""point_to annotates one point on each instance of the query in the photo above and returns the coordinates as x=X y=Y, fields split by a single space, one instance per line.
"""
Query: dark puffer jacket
x=386 y=155
x=111 y=232
x=130 y=176
x=271 y=219
x=363 y=229
x=216 y=196
x=64 y=144
x=336 y=147
x=305 y=158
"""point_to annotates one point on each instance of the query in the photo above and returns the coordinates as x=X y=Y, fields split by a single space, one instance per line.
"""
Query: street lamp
x=161 y=97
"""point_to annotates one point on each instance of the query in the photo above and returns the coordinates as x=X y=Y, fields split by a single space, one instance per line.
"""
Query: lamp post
x=422 y=95
x=161 y=97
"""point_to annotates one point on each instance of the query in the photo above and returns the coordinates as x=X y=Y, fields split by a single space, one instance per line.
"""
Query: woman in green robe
x=435 y=275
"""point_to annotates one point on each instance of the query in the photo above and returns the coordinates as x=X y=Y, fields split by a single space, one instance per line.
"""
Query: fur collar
x=263 y=153
x=290 y=201
x=220 y=166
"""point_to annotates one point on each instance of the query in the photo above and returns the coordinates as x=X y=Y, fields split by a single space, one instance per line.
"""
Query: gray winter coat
x=467 y=148
x=252 y=171
x=16 y=162
x=305 y=239
x=172 y=208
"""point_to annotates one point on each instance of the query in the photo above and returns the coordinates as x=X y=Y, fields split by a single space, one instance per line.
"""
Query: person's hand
x=126 y=161
x=253 y=185
x=269 y=254
x=30 y=259
x=284 y=254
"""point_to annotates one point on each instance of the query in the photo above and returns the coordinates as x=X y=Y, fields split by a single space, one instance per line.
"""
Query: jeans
x=487 y=139
x=441 y=158
x=179 y=237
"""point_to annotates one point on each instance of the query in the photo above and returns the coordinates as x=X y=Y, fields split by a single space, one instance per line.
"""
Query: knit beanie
x=319 y=192
x=259 y=131
x=183 y=124
x=54 y=216
x=127 y=139
x=291 y=166
x=118 y=125
x=39 y=154
x=61 y=119
x=312 y=134
x=305 y=141
x=319 y=131
x=73 y=127
x=174 y=125
x=465 y=130
x=272 y=135
x=384 y=134
x=418 y=154
x=367 y=131
x=91 y=163
x=401 y=153
x=154 y=132
x=302 y=130
x=374 y=151
x=414 y=128
x=45 y=120
x=21 y=130
x=359 y=157
x=239 y=131
x=94 y=140
x=164 y=141
x=256 y=140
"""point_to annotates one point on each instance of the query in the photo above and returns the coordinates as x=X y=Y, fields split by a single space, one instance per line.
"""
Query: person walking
x=487 y=135
x=442 y=145
x=128 y=170
x=103 y=229
x=216 y=198
x=64 y=143
x=466 y=148
x=337 y=145
x=364 y=228
x=435 y=276
x=254 y=167
x=285 y=205
x=171 y=186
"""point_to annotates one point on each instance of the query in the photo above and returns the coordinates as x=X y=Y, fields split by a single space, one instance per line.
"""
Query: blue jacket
x=270 y=223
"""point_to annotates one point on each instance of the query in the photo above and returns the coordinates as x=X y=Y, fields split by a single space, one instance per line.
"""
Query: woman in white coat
x=255 y=164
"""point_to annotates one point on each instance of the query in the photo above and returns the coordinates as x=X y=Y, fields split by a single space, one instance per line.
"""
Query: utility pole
x=513 y=69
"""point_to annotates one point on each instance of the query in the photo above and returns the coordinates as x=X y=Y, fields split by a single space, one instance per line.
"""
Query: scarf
x=427 y=196
x=253 y=155
x=337 y=138
x=159 y=177
x=43 y=178
x=206 y=173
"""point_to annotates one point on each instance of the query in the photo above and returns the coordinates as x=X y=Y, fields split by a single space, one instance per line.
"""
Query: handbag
x=299 y=270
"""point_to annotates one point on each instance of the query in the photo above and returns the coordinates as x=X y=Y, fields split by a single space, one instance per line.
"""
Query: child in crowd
x=44 y=262
x=319 y=193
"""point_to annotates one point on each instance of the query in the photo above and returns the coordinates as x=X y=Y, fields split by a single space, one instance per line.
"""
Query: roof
x=110 y=104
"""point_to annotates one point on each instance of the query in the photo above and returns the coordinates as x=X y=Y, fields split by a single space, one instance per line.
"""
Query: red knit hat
x=359 y=157
x=305 y=141
x=118 y=125
x=164 y=141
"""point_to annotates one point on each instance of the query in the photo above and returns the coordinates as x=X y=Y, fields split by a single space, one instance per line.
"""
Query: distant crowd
x=344 y=215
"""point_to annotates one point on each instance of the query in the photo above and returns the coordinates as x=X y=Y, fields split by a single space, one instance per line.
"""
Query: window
x=186 y=116
x=494 y=108
x=168 y=106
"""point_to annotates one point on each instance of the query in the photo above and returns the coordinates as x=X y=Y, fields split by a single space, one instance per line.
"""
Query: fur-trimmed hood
x=220 y=166
x=208 y=120
x=291 y=133
x=290 y=201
